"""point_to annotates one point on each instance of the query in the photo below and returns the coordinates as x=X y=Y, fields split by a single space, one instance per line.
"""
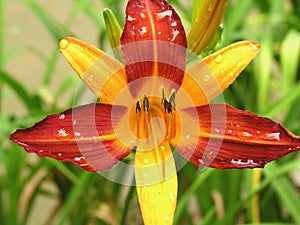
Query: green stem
x=127 y=203
x=1 y=46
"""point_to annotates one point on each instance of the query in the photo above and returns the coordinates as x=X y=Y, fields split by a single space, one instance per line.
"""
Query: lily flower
x=154 y=104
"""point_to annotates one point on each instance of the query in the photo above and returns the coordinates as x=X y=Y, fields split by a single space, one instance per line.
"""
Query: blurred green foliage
x=43 y=191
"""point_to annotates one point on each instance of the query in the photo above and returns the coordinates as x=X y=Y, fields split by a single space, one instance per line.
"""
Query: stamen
x=172 y=98
x=146 y=104
x=137 y=107
x=162 y=94
x=167 y=106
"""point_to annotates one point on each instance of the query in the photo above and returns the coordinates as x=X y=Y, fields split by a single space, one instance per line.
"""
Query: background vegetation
x=35 y=81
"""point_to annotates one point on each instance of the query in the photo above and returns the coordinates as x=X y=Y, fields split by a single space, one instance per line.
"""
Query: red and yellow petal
x=153 y=41
x=82 y=135
x=232 y=138
x=104 y=75
x=208 y=78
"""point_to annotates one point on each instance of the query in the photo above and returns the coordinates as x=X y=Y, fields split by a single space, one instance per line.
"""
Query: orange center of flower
x=154 y=120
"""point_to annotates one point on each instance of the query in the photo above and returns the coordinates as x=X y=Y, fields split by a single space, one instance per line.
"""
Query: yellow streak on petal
x=156 y=181
x=223 y=67
x=104 y=75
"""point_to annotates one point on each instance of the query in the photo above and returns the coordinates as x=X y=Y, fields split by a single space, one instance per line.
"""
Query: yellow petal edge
x=104 y=75
x=208 y=78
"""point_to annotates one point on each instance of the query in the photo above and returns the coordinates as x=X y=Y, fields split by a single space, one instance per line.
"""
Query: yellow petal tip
x=255 y=46
x=64 y=43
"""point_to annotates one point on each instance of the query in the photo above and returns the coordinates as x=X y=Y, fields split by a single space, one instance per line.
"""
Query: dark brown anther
x=167 y=106
x=146 y=103
x=172 y=99
x=137 y=107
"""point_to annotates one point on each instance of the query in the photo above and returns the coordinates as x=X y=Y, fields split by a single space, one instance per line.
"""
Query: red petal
x=231 y=138
x=82 y=135
x=153 y=41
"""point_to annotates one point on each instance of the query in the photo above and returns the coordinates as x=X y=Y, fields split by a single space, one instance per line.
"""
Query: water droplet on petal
x=239 y=63
x=60 y=156
x=219 y=58
x=174 y=24
x=62 y=134
x=172 y=198
x=80 y=160
x=61 y=116
x=90 y=77
x=206 y=77
x=167 y=218
x=64 y=43
x=244 y=135
x=146 y=161
x=143 y=32
x=254 y=46
x=228 y=132
x=132 y=20
x=175 y=33
x=273 y=136
x=162 y=16
x=143 y=16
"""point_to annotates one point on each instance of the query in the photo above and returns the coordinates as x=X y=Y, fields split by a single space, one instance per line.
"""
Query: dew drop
x=229 y=132
x=77 y=134
x=239 y=64
x=162 y=16
x=254 y=46
x=62 y=134
x=80 y=159
x=224 y=70
x=60 y=156
x=90 y=77
x=172 y=197
x=143 y=16
x=62 y=116
x=143 y=32
x=174 y=24
x=64 y=43
x=200 y=161
x=175 y=34
x=273 y=136
x=219 y=58
x=167 y=218
x=132 y=20
x=146 y=161
x=244 y=135
x=146 y=175
x=206 y=78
